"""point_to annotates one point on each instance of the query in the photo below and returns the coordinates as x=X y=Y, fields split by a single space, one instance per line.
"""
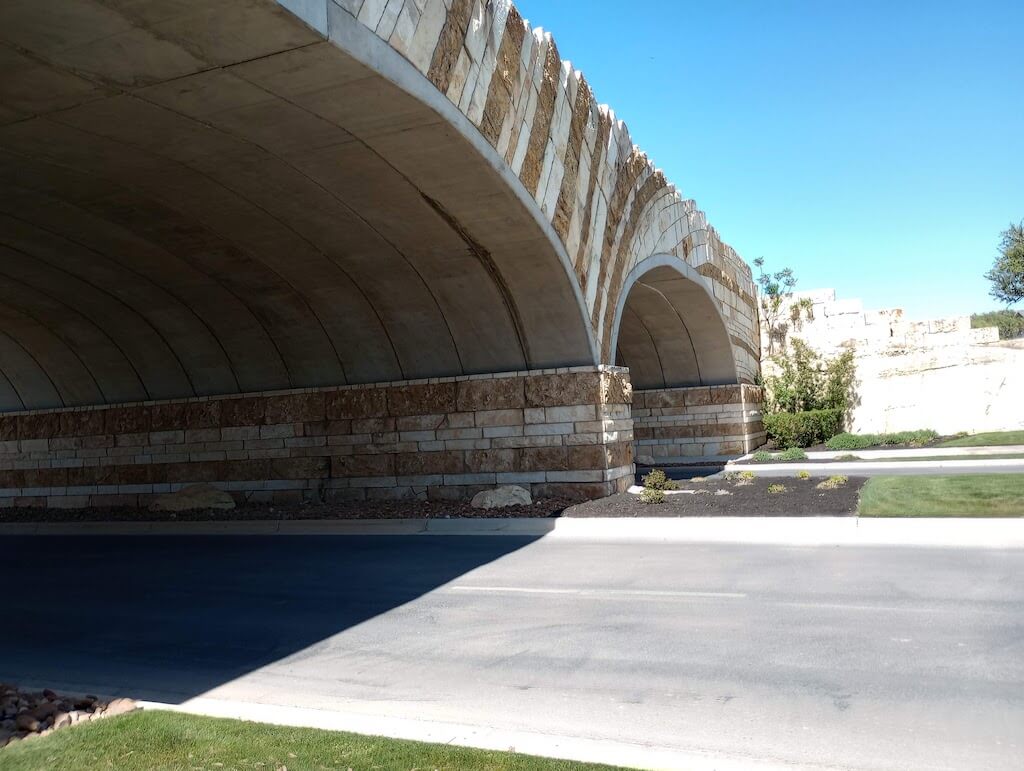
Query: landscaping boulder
x=28 y=715
x=119 y=707
x=506 y=495
x=193 y=497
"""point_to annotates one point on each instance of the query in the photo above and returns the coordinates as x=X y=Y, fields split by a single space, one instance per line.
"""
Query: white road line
x=592 y=593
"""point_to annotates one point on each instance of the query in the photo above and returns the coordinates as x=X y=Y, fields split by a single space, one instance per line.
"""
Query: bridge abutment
x=562 y=432
x=676 y=425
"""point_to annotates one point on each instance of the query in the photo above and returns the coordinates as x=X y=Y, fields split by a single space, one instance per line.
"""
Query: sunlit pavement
x=799 y=656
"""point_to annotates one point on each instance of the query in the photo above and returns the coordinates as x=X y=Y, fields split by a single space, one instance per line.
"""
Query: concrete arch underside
x=340 y=249
x=669 y=330
x=283 y=217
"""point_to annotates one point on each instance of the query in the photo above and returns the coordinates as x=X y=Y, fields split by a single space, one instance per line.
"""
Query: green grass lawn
x=991 y=439
x=982 y=458
x=149 y=740
x=953 y=495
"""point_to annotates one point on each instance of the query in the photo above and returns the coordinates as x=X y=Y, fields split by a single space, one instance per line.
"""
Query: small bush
x=652 y=496
x=793 y=453
x=747 y=476
x=803 y=475
x=847 y=441
x=730 y=476
x=833 y=482
x=1010 y=323
x=656 y=479
x=847 y=456
x=761 y=456
x=909 y=438
x=776 y=489
x=803 y=429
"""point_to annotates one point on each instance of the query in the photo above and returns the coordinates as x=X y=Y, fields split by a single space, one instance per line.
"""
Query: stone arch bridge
x=342 y=248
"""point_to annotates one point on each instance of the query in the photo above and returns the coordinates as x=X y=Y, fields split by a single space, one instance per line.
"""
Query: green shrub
x=656 y=479
x=776 y=489
x=847 y=441
x=747 y=476
x=730 y=476
x=806 y=381
x=793 y=453
x=803 y=475
x=762 y=456
x=1010 y=323
x=911 y=438
x=847 y=456
x=803 y=429
x=833 y=482
x=652 y=496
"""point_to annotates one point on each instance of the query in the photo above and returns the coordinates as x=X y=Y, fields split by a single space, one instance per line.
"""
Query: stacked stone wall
x=564 y=432
x=680 y=424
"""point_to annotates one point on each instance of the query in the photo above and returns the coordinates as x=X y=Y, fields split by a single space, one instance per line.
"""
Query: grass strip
x=948 y=495
x=154 y=739
x=990 y=439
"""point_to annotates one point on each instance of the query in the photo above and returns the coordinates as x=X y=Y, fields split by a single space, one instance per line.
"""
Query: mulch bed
x=801 y=498
x=376 y=509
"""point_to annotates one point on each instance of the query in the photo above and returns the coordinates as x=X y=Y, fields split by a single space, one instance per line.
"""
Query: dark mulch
x=744 y=500
x=545 y=507
x=801 y=499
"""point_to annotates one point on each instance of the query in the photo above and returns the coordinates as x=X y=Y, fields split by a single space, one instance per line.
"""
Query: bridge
x=342 y=249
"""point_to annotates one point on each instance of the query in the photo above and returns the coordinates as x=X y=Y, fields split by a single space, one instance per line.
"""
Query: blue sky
x=874 y=147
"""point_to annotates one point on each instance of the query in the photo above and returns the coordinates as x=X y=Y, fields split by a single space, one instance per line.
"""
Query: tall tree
x=776 y=290
x=1007 y=274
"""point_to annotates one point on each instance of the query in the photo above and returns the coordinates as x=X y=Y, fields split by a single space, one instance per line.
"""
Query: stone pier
x=562 y=432
x=676 y=425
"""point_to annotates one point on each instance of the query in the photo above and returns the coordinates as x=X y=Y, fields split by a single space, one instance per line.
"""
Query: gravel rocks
x=28 y=714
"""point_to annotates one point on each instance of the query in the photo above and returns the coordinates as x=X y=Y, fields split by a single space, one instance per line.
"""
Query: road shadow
x=167 y=618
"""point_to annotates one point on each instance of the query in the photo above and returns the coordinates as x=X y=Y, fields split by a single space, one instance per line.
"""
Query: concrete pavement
x=902 y=454
x=994 y=533
x=853 y=468
x=693 y=655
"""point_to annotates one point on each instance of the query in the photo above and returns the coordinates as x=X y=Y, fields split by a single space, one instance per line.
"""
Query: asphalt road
x=818 y=657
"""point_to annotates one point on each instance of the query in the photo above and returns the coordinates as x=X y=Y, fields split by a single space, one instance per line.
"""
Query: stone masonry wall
x=679 y=424
x=564 y=432
x=607 y=202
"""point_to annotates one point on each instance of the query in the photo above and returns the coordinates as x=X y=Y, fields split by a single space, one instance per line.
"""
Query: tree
x=776 y=289
x=1007 y=274
x=1009 y=323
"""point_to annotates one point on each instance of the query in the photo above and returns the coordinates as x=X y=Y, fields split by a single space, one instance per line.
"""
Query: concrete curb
x=924 y=452
x=803 y=531
x=858 y=468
